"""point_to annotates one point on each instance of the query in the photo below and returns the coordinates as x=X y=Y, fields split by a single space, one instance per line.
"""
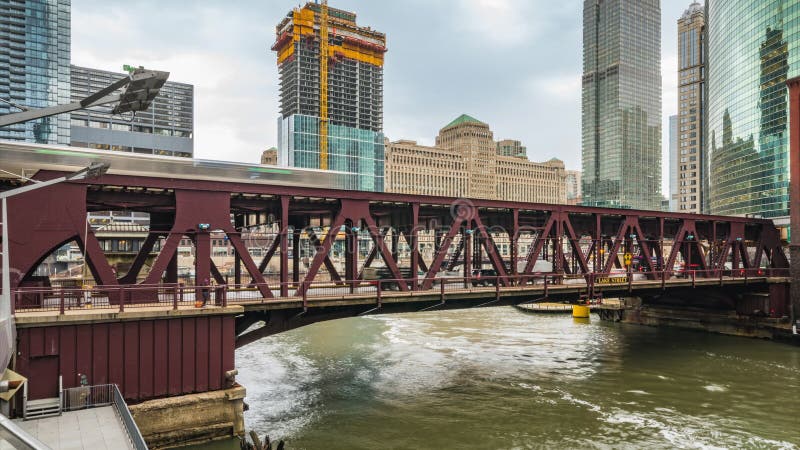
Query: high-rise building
x=473 y=139
x=34 y=66
x=750 y=57
x=511 y=147
x=621 y=117
x=331 y=106
x=691 y=108
x=573 y=186
x=449 y=169
x=165 y=128
x=673 y=163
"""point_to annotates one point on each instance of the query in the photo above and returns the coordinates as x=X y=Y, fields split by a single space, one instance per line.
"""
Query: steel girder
x=576 y=240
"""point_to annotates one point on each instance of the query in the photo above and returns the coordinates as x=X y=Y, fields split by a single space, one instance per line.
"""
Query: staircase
x=46 y=407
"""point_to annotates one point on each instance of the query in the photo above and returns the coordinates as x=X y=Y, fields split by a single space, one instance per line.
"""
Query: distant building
x=673 y=163
x=465 y=163
x=334 y=103
x=510 y=147
x=621 y=117
x=34 y=66
x=474 y=140
x=573 y=186
x=691 y=109
x=166 y=128
x=270 y=156
x=420 y=170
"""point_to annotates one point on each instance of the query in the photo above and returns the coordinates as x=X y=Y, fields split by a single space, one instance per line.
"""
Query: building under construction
x=331 y=87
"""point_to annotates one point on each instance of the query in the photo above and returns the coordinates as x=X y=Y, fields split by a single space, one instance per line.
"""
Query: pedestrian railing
x=83 y=397
x=140 y=296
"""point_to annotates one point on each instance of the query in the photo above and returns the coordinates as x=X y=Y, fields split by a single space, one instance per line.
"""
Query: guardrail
x=84 y=397
x=127 y=297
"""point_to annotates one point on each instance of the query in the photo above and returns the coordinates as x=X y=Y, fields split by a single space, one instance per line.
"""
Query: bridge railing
x=175 y=296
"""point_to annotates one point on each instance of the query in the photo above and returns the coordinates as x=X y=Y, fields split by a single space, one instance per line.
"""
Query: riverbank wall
x=191 y=419
x=721 y=321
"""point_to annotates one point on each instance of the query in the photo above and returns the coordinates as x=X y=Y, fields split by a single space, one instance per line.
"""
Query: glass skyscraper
x=34 y=66
x=621 y=117
x=752 y=50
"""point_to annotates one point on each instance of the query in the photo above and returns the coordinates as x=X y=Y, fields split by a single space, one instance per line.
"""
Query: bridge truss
x=465 y=235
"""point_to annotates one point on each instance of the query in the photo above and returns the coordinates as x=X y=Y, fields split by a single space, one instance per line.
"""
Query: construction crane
x=323 y=85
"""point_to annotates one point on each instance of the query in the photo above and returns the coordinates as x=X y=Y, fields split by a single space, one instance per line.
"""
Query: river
x=498 y=378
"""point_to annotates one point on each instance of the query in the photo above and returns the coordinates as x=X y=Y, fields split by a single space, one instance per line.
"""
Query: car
x=484 y=277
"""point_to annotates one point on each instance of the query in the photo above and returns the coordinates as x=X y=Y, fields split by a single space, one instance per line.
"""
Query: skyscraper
x=621 y=117
x=34 y=66
x=750 y=56
x=673 y=163
x=331 y=106
x=691 y=108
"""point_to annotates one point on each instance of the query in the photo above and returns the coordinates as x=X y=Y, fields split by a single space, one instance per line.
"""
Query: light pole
x=6 y=320
x=138 y=91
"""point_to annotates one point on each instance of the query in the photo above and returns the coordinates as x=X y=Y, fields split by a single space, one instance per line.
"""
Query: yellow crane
x=323 y=85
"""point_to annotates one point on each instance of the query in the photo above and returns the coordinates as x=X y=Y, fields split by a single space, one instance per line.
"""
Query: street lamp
x=139 y=90
x=94 y=170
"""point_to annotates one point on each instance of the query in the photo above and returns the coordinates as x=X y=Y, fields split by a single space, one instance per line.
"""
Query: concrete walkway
x=87 y=429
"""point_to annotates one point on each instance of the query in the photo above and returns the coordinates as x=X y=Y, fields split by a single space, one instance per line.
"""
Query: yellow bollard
x=580 y=311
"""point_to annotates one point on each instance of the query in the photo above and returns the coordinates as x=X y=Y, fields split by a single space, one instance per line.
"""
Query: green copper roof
x=464 y=119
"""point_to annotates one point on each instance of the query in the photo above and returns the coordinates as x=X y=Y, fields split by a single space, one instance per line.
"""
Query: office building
x=572 y=184
x=621 y=114
x=749 y=61
x=34 y=66
x=691 y=108
x=331 y=106
x=166 y=128
x=270 y=156
x=417 y=169
x=465 y=163
x=673 y=163
x=511 y=147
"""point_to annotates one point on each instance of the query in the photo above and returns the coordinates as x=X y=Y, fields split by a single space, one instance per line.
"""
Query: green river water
x=498 y=378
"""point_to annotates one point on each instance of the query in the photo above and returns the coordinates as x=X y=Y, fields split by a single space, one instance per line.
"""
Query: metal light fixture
x=139 y=90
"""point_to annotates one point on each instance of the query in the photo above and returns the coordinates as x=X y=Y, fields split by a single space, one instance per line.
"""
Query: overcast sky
x=514 y=64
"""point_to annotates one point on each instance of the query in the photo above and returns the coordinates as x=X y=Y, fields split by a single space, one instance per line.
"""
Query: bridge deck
x=455 y=297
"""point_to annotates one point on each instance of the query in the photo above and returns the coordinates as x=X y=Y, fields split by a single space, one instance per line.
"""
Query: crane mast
x=323 y=85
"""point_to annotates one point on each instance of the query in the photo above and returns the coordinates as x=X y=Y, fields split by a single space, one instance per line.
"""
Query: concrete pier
x=191 y=419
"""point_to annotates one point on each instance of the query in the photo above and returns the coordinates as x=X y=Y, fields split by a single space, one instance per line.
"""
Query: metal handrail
x=172 y=295
x=131 y=429
x=17 y=437
x=84 y=397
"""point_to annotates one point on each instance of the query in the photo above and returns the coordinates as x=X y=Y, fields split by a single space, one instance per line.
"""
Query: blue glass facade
x=34 y=66
x=753 y=50
x=351 y=150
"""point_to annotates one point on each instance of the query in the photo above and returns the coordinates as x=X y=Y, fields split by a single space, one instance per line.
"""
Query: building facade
x=331 y=107
x=34 y=66
x=475 y=141
x=621 y=103
x=270 y=156
x=752 y=51
x=166 y=128
x=417 y=169
x=691 y=108
x=673 y=163
x=511 y=147
x=465 y=163
x=573 y=187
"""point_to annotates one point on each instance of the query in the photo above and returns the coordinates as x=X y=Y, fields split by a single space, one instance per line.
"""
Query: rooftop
x=464 y=118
